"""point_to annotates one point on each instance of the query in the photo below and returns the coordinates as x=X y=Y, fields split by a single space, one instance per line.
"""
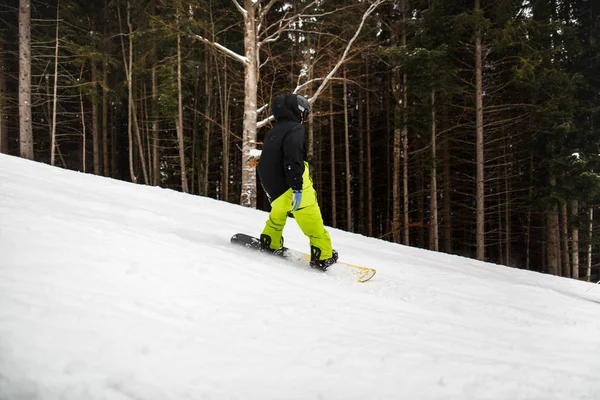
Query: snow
x=110 y=290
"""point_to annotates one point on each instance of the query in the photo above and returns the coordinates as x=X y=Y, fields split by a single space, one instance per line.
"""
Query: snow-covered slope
x=110 y=290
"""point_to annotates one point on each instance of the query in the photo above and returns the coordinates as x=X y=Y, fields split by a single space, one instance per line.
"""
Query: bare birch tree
x=256 y=34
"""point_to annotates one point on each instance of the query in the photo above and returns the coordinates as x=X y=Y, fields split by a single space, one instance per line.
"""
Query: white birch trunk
x=248 y=193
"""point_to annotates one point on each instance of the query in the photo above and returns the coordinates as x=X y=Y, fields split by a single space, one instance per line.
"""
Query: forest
x=462 y=126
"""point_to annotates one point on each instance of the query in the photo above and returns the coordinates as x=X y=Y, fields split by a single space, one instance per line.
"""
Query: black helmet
x=290 y=106
x=303 y=106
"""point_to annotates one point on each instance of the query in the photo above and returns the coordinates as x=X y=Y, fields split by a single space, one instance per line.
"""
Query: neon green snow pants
x=308 y=217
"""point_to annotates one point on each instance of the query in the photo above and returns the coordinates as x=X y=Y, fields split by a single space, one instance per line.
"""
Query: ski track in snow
x=110 y=290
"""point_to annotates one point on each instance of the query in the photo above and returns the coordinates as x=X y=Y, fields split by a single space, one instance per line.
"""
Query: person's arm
x=293 y=157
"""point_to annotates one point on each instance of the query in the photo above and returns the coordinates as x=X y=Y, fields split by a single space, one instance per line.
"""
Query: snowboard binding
x=265 y=241
x=315 y=262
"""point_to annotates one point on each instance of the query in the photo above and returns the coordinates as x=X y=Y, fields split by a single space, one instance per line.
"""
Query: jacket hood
x=285 y=107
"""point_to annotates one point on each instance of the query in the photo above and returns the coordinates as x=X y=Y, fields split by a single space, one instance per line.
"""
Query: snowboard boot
x=315 y=262
x=265 y=241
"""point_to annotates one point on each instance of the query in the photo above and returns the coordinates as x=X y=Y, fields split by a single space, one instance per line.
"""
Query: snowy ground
x=110 y=290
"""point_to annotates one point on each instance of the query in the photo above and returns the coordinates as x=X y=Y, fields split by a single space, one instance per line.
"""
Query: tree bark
x=369 y=161
x=361 y=164
x=332 y=162
x=347 y=148
x=54 y=95
x=105 y=92
x=4 y=148
x=208 y=119
x=480 y=190
x=83 y=132
x=588 y=273
x=225 y=133
x=95 y=130
x=575 y=239
x=248 y=194
x=433 y=221
x=405 y=133
x=553 y=235
x=447 y=201
x=566 y=267
x=25 y=129
x=180 y=133
x=155 y=158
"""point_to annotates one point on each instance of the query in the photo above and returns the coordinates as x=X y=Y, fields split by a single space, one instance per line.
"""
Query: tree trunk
x=332 y=155
x=588 y=273
x=397 y=90
x=225 y=129
x=566 y=267
x=25 y=130
x=83 y=132
x=508 y=210
x=396 y=199
x=361 y=164
x=248 y=194
x=105 y=93
x=447 y=206
x=347 y=148
x=369 y=161
x=405 y=132
x=155 y=159
x=553 y=235
x=208 y=120
x=433 y=221
x=3 y=104
x=575 y=239
x=479 y=196
x=95 y=130
x=128 y=74
x=195 y=135
x=54 y=95
x=180 y=133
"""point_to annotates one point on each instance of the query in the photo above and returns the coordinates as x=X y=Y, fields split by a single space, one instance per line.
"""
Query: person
x=284 y=175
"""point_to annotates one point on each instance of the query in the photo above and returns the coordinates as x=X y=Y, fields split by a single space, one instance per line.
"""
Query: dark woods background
x=409 y=84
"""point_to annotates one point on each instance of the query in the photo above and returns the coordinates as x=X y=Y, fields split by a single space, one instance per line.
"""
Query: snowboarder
x=283 y=173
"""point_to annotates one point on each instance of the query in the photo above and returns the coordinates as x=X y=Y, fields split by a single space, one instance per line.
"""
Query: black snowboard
x=362 y=274
x=252 y=242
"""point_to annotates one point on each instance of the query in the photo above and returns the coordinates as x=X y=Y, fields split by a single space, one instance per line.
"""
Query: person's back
x=281 y=163
x=284 y=175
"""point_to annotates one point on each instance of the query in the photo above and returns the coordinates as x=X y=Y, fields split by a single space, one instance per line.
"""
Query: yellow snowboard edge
x=364 y=274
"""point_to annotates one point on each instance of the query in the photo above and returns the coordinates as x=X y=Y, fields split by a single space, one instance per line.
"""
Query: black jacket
x=281 y=163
